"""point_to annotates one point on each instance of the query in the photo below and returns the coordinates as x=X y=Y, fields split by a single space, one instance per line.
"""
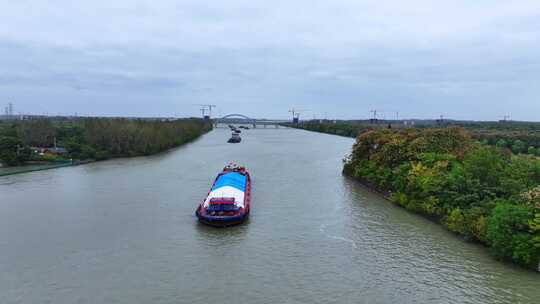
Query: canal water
x=123 y=231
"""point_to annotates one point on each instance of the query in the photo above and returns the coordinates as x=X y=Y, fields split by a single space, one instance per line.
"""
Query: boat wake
x=323 y=226
x=322 y=229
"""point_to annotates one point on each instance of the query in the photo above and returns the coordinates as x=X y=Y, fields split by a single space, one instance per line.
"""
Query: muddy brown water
x=123 y=231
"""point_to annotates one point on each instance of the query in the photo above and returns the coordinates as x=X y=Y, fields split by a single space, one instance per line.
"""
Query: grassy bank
x=93 y=138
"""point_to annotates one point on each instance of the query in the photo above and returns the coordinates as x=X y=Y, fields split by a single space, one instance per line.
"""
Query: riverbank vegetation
x=484 y=193
x=518 y=137
x=348 y=129
x=93 y=138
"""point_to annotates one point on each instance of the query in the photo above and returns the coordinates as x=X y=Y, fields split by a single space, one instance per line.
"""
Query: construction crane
x=505 y=118
x=440 y=120
x=376 y=115
x=374 y=118
x=296 y=115
x=206 y=110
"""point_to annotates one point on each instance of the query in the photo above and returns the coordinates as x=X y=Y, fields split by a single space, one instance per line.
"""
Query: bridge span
x=243 y=119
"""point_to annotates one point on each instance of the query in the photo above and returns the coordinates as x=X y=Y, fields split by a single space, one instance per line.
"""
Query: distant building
x=57 y=150
x=52 y=150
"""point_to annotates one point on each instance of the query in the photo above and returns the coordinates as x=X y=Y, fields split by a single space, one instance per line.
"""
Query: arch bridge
x=243 y=119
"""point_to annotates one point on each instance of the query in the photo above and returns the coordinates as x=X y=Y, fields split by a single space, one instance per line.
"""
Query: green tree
x=456 y=221
x=11 y=151
x=487 y=166
x=508 y=234
x=534 y=225
x=40 y=132
x=518 y=146
x=501 y=143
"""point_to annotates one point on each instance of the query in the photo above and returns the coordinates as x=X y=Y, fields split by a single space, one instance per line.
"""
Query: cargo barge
x=227 y=202
x=235 y=138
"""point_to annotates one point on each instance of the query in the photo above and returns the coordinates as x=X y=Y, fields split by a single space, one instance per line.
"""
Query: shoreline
x=34 y=168
x=387 y=195
x=42 y=167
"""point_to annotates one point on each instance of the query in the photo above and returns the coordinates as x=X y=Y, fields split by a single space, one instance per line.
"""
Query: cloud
x=420 y=57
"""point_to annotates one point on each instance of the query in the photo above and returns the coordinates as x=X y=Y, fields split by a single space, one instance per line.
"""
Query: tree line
x=484 y=193
x=341 y=128
x=96 y=138
x=518 y=137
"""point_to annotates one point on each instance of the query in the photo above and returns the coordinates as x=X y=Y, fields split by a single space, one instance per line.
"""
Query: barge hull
x=222 y=222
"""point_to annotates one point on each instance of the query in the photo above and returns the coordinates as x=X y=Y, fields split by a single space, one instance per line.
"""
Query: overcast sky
x=461 y=58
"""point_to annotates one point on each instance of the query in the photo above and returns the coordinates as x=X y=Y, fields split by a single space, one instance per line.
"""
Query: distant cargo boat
x=227 y=203
x=235 y=138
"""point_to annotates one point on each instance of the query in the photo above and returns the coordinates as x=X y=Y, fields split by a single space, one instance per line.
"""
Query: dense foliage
x=96 y=138
x=519 y=137
x=348 y=129
x=484 y=193
x=526 y=142
x=12 y=150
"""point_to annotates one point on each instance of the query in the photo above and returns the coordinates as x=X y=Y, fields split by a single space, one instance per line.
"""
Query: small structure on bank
x=55 y=151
